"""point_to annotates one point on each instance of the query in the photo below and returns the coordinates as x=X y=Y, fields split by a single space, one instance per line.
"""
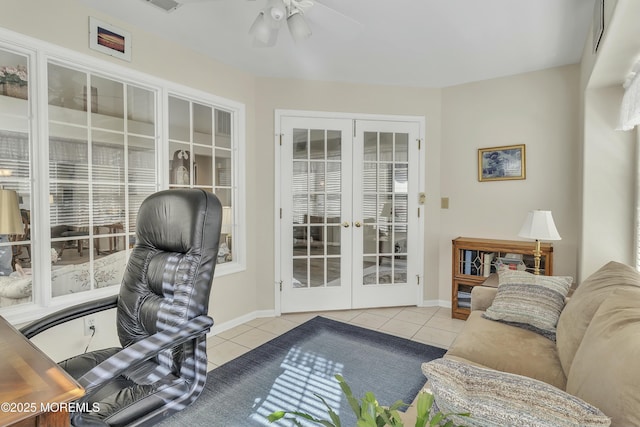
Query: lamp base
x=536 y=258
x=6 y=255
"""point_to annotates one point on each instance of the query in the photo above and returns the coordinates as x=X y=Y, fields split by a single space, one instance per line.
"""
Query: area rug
x=284 y=374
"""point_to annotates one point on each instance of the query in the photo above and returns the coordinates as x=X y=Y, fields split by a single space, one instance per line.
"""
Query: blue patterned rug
x=284 y=374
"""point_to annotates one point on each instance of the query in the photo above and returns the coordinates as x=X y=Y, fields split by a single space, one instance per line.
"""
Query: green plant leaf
x=278 y=415
x=398 y=404
x=332 y=414
x=275 y=416
x=353 y=402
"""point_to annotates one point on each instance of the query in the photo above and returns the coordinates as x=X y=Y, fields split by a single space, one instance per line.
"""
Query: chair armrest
x=482 y=297
x=71 y=313
x=136 y=354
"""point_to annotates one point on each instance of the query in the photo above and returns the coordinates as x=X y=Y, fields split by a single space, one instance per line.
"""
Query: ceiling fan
x=267 y=24
x=271 y=18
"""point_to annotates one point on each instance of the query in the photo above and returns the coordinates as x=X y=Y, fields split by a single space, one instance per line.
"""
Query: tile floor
x=428 y=325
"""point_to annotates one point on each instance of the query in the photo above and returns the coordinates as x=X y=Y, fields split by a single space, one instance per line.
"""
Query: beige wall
x=609 y=157
x=537 y=109
x=231 y=295
x=275 y=94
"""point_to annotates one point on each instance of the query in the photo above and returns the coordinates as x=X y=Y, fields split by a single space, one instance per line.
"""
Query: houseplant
x=370 y=413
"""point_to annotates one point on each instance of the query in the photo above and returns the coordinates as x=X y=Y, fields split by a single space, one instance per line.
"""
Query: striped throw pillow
x=529 y=301
x=497 y=399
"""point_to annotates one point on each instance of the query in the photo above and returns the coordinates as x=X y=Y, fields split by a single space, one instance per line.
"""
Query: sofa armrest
x=482 y=297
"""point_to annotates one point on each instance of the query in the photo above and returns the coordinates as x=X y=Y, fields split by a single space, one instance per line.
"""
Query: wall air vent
x=166 y=5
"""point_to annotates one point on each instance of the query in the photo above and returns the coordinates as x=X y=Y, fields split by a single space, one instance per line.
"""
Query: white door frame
x=278 y=196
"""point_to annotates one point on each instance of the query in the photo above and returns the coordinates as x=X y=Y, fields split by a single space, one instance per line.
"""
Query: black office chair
x=161 y=316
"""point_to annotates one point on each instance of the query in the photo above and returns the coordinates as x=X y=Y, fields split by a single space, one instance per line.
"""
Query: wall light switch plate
x=444 y=203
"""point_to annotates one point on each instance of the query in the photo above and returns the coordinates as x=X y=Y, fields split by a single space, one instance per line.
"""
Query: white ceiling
x=430 y=43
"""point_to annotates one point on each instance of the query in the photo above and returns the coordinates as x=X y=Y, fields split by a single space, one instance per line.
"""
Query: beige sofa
x=596 y=355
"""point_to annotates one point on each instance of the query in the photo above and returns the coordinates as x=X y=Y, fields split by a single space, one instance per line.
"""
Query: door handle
x=357 y=224
x=345 y=224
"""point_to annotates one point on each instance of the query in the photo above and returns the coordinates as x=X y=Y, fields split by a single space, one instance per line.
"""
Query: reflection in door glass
x=317 y=205
x=384 y=207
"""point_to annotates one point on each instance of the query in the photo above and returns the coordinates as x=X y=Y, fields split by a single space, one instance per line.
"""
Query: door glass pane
x=300 y=177
x=384 y=206
x=370 y=270
x=316 y=201
x=300 y=274
x=333 y=272
x=334 y=145
x=317 y=144
x=300 y=144
x=370 y=146
x=402 y=147
x=316 y=269
x=386 y=147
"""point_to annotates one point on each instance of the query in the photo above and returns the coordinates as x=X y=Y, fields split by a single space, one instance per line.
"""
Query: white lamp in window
x=10 y=223
x=539 y=225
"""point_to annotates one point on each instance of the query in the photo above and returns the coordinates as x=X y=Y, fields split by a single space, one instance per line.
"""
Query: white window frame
x=40 y=52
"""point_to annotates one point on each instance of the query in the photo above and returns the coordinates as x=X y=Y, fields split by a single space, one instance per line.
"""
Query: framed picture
x=501 y=163
x=108 y=39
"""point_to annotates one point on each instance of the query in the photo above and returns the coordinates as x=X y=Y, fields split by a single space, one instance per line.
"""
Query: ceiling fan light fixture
x=263 y=34
x=277 y=9
x=298 y=26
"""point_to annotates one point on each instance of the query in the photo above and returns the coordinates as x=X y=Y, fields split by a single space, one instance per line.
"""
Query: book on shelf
x=468 y=257
x=464 y=299
x=487 y=260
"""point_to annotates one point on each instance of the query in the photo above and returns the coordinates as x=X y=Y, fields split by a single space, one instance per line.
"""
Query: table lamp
x=227 y=224
x=10 y=223
x=539 y=225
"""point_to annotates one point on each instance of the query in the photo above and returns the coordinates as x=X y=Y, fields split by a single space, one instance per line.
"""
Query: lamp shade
x=539 y=225
x=10 y=219
x=227 y=220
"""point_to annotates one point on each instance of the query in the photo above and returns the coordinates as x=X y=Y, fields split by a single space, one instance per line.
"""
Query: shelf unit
x=474 y=259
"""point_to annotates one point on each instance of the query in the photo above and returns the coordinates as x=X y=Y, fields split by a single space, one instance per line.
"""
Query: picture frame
x=110 y=40
x=502 y=163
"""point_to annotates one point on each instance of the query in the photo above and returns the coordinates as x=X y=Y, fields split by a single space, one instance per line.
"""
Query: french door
x=349 y=223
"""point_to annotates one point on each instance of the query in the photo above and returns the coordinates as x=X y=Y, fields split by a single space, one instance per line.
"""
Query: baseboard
x=436 y=303
x=230 y=324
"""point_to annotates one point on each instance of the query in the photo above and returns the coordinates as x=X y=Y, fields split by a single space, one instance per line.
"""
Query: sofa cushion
x=495 y=398
x=529 y=301
x=606 y=368
x=506 y=348
x=584 y=303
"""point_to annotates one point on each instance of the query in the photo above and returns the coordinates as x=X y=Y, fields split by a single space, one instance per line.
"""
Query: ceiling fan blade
x=321 y=15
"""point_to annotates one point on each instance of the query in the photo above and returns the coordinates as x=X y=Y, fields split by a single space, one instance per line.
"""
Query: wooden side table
x=34 y=390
